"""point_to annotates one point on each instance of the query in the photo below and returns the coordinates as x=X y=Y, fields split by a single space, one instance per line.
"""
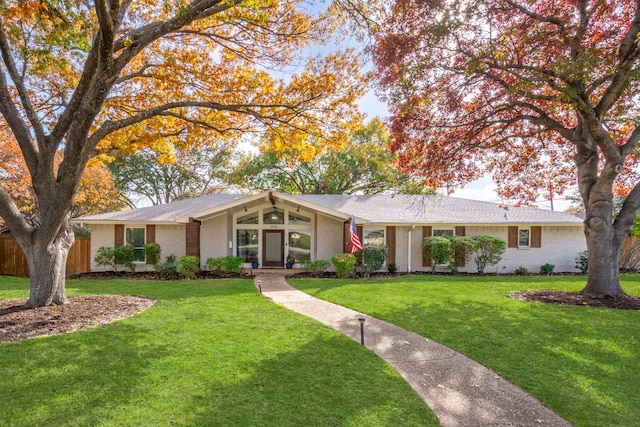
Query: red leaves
x=510 y=87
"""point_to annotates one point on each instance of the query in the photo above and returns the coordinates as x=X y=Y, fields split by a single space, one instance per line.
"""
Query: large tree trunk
x=604 y=236
x=603 y=276
x=47 y=267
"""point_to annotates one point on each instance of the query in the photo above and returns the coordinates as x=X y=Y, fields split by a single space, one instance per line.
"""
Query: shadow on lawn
x=559 y=354
x=322 y=383
x=76 y=379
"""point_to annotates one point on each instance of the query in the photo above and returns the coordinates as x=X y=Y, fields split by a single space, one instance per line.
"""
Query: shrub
x=152 y=252
x=188 y=266
x=345 y=264
x=317 y=267
x=116 y=257
x=582 y=262
x=459 y=248
x=521 y=271
x=547 y=269
x=393 y=269
x=232 y=264
x=168 y=268
x=215 y=264
x=488 y=250
x=437 y=249
x=372 y=257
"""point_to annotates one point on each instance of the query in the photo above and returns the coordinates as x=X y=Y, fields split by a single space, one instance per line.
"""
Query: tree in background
x=194 y=172
x=120 y=76
x=536 y=85
x=365 y=165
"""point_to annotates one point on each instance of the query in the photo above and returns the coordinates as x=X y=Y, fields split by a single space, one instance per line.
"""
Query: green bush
x=393 y=269
x=460 y=246
x=232 y=264
x=152 y=252
x=437 y=249
x=120 y=256
x=168 y=268
x=317 y=267
x=488 y=250
x=372 y=257
x=547 y=269
x=227 y=264
x=521 y=271
x=188 y=266
x=215 y=264
x=345 y=264
x=582 y=262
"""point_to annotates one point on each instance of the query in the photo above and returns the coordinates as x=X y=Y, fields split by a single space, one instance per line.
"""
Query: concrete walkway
x=460 y=391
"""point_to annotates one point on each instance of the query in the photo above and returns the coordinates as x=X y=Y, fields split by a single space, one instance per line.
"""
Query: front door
x=273 y=248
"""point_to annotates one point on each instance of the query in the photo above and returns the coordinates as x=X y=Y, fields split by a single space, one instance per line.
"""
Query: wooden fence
x=14 y=263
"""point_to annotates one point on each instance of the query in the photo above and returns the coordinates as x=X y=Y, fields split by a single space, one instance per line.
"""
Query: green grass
x=208 y=353
x=582 y=362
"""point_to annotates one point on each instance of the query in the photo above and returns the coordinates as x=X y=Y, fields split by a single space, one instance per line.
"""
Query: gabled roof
x=380 y=209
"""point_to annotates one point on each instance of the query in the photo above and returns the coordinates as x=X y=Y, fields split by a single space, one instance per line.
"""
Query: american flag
x=355 y=240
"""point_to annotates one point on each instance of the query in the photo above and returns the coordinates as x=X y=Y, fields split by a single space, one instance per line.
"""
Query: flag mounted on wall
x=355 y=240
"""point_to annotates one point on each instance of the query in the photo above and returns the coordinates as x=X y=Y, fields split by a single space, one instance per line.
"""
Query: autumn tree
x=525 y=84
x=96 y=192
x=365 y=165
x=118 y=76
x=194 y=172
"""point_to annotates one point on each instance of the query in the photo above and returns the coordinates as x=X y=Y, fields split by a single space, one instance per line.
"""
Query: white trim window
x=443 y=232
x=373 y=236
x=524 y=237
x=136 y=237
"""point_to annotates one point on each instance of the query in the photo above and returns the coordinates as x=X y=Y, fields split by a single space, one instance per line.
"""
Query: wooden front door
x=273 y=248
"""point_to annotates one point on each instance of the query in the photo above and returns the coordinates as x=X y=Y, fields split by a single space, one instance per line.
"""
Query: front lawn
x=208 y=353
x=582 y=362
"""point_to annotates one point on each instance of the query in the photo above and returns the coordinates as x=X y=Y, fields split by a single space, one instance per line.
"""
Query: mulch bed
x=18 y=322
x=575 y=298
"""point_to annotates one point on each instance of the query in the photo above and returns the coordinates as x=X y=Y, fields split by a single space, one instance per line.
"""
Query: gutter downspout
x=409 y=249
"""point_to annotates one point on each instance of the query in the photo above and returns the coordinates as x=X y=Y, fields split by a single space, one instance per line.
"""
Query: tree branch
x=23 y=93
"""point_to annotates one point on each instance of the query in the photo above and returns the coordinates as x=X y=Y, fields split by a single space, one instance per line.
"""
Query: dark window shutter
x=193 y=237
x=536 y=236
x=150 y=236
x=391 y=245
x=359 y=228
x=426 y=232
x=513 y=236
x=460 y=254
x=346 y=246
x=118 y=238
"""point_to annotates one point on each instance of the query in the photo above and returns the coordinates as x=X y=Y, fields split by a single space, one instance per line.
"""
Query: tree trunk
x=603 y=275
x=47 y=267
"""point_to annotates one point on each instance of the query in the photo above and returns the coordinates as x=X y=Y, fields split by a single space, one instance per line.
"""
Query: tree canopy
x=365 y=165
x=119 y=76
x=541 y=93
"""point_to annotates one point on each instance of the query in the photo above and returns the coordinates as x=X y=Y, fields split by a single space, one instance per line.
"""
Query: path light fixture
x=260 y=285
x=361 y=320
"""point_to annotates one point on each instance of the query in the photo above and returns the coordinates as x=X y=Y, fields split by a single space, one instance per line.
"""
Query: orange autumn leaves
x=96 y=193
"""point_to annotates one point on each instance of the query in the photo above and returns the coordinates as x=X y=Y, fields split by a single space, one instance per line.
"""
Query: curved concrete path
x=460 y=391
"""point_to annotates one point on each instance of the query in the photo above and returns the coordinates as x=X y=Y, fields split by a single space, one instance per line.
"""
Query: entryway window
x=248 y=244
x=300 y=245
x=273 y=216
x=250 y=218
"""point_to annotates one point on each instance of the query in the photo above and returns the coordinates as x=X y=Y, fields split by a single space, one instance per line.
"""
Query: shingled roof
x=382 y=209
